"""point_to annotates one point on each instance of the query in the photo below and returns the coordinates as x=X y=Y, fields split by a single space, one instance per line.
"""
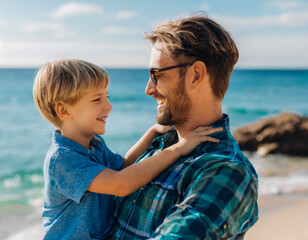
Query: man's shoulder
x=223 y=158
x=222 y=155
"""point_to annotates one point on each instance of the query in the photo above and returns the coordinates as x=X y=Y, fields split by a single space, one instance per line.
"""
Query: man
x=212 y=192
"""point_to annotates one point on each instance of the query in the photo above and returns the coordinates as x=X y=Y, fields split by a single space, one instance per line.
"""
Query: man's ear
x=199 y=72
x=63 y=111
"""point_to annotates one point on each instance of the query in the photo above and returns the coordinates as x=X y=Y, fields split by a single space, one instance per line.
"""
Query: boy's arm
x=143 y=144
x=128 y=180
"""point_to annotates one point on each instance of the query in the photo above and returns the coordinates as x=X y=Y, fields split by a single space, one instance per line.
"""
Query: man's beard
x=178 y=108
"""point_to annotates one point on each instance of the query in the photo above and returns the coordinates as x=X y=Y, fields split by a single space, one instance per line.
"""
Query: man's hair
x=200 y=38
x=66 y=81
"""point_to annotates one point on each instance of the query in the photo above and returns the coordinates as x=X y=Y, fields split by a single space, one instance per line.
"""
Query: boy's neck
x=77 y=137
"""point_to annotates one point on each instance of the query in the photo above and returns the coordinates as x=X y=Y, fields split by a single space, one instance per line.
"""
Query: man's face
x=173 y=101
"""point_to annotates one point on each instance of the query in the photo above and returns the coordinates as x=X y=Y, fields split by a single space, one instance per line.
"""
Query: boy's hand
x=192 y=139
x=160 y=128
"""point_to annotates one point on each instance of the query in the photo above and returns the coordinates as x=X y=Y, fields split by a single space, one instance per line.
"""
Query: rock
x=286 y=133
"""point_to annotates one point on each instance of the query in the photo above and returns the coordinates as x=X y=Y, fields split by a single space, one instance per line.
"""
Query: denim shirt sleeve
x=115 y=160
x=72 y=173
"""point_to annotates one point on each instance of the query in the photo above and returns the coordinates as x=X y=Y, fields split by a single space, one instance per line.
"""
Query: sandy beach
x=282 y=217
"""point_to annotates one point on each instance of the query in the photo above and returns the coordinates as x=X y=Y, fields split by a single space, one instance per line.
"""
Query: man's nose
x=150 y=88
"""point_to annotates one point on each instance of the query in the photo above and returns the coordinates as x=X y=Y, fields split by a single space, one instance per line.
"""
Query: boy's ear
x=63 y=111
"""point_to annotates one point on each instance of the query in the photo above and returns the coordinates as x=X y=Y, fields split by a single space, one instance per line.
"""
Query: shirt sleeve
x=115 y=160
x=73 y=173
x=218 y=204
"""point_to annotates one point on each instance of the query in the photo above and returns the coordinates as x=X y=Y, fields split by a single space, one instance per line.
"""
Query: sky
x=269 y=34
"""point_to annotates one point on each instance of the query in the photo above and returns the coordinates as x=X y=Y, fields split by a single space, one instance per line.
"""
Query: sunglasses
x=153 y=71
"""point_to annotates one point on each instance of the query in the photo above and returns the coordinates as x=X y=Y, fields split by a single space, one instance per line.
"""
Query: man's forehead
x=158 y=56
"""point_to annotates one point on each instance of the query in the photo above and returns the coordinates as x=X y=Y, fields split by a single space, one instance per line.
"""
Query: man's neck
x=196 y=120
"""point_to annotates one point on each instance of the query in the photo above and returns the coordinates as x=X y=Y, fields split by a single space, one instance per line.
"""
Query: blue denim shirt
x=70 y=211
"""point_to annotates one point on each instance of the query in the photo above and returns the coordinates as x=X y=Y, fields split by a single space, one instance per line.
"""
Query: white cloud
x=259 y=51
x=205 y=7
x=125 y=14
x=74 y=8
x=120 y=30
x=287 y=19
x=268 y=51
x=281 y=5
x=58 y=30
x=1 y=52
x=29 y=54
x=4 y=23
x=39 y=26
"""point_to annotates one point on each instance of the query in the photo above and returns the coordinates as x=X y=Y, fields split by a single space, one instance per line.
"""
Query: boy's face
x=90 y=112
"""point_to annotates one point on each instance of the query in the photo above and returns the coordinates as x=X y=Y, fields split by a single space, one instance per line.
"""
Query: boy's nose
x=150 y=88
x=109 y=106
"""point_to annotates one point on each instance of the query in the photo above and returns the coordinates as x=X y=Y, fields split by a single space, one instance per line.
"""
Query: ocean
x=25 y=136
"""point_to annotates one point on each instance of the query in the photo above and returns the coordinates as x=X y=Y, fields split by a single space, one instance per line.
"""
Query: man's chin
x=164 y=119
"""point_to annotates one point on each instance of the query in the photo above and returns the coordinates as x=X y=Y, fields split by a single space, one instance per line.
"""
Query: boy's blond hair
x=67 y=81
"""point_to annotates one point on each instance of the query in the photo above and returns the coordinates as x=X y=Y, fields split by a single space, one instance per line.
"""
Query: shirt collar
x=224 y=123
x=171 y=137
x=63 y=141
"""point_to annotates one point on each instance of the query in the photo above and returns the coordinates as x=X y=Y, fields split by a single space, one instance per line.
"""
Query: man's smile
x=161 y=101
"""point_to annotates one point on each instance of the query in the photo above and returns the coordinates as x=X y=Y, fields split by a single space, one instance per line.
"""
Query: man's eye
x=159 y=75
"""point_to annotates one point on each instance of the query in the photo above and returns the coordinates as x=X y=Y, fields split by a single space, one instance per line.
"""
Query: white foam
x=35 y=232
x=280 y=173
x=35 y=179
x=13 y=182
x=283 y=185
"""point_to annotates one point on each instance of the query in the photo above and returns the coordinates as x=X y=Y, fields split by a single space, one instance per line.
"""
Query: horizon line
x=141 y=67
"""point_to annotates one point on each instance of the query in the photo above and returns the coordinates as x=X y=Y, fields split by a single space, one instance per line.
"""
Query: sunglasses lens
x=153 y=78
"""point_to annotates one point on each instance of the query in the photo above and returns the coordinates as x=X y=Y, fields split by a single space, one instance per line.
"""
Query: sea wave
x=280 y=173
x=34 y=232
x=283 y=185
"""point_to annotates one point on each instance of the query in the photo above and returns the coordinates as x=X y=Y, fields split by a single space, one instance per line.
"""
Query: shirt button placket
x=129 y=216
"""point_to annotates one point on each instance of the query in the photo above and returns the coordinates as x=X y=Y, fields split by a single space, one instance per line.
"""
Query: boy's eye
x=96 y=100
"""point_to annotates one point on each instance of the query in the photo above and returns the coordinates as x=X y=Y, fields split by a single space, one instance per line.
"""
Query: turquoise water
x=25 y=136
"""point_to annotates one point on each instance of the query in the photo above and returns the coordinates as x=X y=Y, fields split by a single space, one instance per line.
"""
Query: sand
x=281 y=218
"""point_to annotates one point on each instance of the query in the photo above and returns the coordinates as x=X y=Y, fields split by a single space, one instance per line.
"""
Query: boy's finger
x=199 y=129
x=211 y=130
x=210 y=139
x=218 y=129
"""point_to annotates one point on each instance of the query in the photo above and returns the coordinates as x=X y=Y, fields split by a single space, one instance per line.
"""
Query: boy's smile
x=103 y=120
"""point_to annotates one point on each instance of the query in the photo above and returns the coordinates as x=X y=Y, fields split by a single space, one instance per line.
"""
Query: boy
x=81 y=174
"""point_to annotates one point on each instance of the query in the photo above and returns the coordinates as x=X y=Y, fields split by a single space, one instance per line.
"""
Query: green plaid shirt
x=208 y=194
